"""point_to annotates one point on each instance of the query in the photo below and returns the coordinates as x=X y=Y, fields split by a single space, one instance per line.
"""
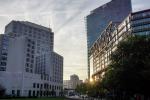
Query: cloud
x=139 y=5
x=66 y=18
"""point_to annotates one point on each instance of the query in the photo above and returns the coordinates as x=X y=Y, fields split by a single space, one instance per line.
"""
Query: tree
x=82 y=88
x=91 y=89
x=129 y=70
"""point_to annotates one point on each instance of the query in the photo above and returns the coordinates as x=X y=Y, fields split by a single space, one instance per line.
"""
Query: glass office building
x=97 y=21
x=115 y=11
x=136 y=23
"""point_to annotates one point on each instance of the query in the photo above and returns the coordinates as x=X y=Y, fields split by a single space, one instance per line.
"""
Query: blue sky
x=67 y=20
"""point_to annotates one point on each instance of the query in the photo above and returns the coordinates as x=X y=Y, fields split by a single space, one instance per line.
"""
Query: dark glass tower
x=115 y=10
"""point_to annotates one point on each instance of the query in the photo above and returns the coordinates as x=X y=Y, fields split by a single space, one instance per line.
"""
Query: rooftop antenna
x=49 y=25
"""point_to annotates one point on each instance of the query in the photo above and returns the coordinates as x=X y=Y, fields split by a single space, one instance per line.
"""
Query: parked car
x=84 y=96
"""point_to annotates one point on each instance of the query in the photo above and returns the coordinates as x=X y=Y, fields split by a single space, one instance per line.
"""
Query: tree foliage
x=82 y=88
x=91 y=89
x=129 y=70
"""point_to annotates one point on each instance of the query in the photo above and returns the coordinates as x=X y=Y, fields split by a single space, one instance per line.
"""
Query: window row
x=2 y=68
x=42 y=93
x=16 y=92
x=46 y=86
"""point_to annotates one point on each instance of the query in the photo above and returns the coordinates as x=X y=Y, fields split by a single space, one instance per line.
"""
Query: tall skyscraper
x=28 y=61
x=137 y=23
x=97 y=21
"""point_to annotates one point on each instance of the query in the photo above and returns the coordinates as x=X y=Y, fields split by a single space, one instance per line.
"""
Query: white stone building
x=28 y=64
x=72 y=83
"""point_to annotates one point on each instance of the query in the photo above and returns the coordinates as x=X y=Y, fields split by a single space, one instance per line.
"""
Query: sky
x=67 y=20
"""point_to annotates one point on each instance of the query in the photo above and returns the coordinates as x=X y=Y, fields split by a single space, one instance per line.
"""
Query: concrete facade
x=72 y=83
x=32 y=68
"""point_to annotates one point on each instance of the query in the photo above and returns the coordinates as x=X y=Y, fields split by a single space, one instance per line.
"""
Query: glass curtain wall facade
x=98 y=19
x=136 y=23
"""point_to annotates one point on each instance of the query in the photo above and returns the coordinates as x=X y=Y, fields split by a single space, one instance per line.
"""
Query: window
x=33 y=42
x=33 y=93
x=30 y=35
x=29 y=40
x=32 y=51
x=41 y=93
x=38 y=85
x=27 y=59
x=28 y=50
x=44 y=86
x=37 y=94
x=29 y=45
x=49 y=86
x=44 y=77
x=52 y=87
x=28 y=55
x=41 y=86
x=27 y=64
x=18 y=92
x=2 y=68
x=4 y=53
x=27 y=69
x=29 y=31
x=34 y=85
x=32 y=56
x=31 y=66
x=3 y=63
x=29 y=93
x=14 y=29
x=13 y=92
x=32 y=47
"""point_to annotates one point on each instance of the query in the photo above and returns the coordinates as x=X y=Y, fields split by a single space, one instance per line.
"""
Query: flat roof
x=142 y=11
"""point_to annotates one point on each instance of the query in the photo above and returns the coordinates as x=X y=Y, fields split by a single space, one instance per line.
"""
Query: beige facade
x=72 y=83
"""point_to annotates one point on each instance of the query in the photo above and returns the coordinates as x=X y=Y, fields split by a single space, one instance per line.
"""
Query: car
x=84 y=96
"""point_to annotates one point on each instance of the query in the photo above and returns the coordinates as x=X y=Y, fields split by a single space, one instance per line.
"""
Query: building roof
x=32 y=25
x=138 y=12
x=35 y=25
